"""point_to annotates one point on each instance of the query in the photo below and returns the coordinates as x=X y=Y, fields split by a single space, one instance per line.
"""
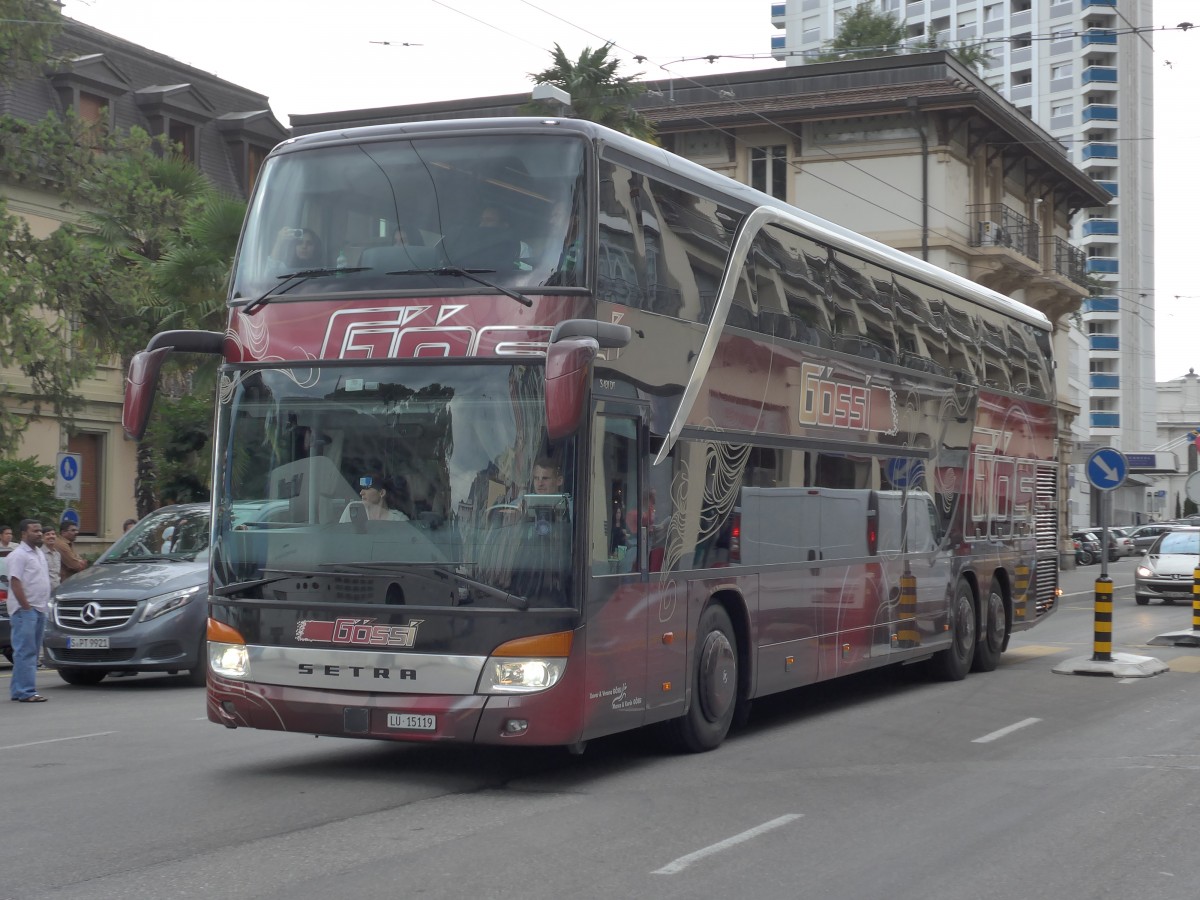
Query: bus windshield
x=424 y=485
x=406 y=214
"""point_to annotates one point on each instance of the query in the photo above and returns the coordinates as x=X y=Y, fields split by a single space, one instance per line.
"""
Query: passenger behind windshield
x=297 y=249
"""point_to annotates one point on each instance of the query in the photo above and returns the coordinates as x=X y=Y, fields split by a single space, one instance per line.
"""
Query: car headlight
x=1143 y=571
x=167 y=602
x=526 y=665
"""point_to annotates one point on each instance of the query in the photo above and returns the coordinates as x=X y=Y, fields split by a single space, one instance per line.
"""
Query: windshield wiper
x=472 y=274
x=296 y=278
x=238 y=587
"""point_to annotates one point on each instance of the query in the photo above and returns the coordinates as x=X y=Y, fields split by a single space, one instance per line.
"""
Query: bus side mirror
x=141 y=383
x=568 y=372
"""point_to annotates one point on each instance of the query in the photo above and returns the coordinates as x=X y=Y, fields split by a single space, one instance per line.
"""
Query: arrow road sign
x=1107 y=468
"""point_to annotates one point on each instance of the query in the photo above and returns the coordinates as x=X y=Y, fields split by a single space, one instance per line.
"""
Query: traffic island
x=1190 y=637
x=1103 y=661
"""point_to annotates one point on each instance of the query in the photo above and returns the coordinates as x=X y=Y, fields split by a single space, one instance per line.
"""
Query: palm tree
x=598 y=93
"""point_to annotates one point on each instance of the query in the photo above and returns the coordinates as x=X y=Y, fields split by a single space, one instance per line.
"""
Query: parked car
x=1089 y=543
x=5 y=622
x=1124 y=541
x=1145 y=535
x=142 y=607
x=1167 y=571
x=1114 y=548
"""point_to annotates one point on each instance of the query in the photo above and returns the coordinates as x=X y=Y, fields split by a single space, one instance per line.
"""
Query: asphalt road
x=1021 y=783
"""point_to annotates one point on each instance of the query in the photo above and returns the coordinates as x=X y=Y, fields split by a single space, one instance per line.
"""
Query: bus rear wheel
x=714 y=684
x=953 y=663
x=995 y=627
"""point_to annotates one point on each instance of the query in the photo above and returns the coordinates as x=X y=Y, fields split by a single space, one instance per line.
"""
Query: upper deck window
x=510 y=209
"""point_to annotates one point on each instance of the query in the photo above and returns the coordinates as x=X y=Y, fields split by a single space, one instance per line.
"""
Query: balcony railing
x=1105 y=382
x=1091 y=36
x=1098 y=150
x=1094 y=227
x=1106 y=420
x=1069 y=261
x=1102 y=305
x=1100 y=75
x=1104 y=342
x=1110 y=186
x=1103 y=265
x=1099 y=112
x=995 y=225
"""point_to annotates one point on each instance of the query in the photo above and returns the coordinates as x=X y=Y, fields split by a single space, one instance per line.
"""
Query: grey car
x=1144 y=535
x=1167 y=571
x=142 y=607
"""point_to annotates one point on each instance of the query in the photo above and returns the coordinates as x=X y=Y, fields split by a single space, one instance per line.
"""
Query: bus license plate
x=87 y=643
x=412 y=722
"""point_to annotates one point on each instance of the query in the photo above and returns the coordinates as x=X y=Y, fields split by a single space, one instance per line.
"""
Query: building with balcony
x=1082 y=70
x=225 y=129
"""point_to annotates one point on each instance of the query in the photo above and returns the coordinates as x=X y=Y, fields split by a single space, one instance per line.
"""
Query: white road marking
x=683 y=862
x=1005 y=731
x=77 y=737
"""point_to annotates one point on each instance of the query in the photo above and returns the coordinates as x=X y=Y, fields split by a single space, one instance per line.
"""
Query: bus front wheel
x=714 y=684
x=953 y=663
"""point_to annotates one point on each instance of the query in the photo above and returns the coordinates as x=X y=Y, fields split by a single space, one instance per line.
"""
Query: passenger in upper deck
x=296 y=249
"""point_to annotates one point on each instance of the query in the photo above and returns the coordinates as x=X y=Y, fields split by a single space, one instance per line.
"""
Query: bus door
x=616 y=594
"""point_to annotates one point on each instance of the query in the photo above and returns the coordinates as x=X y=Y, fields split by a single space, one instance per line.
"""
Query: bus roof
x=735 y=192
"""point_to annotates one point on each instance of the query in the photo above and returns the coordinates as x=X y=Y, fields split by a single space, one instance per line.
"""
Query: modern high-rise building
x=1082 y=70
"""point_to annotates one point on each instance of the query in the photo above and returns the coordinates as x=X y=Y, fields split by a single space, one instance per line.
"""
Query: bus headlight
x=520 y=676
x=526 y=665
x=229 y=660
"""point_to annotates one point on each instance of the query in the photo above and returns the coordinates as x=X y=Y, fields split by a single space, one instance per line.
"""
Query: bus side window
x=615 y=488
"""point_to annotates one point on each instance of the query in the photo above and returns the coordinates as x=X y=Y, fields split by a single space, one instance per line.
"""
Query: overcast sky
x=320 y=56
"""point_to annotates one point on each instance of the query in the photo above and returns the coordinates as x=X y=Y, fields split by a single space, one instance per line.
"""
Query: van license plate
x=87 y=643
x=412 y=722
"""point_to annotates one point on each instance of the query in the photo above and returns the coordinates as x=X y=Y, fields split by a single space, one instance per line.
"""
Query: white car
x=1124 y=541
x=1167 y=571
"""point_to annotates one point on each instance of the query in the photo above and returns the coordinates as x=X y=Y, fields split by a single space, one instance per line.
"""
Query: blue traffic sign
x=903 y=472
x=68 y=467
x=1107 y=468
x=70 y=515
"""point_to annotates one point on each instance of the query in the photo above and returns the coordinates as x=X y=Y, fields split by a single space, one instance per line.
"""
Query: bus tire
x=993 y=629
x=953 y=663
x=714 y=684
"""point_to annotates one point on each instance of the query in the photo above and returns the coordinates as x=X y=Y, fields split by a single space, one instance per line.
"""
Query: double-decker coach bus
x=529 y=432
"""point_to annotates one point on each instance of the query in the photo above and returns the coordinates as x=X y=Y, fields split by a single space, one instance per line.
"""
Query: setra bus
x=529 y=432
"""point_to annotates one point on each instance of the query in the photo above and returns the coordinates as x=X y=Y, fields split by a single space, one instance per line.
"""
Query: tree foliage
x=27 y=28
x=27 y=492
x=864 y=32
x=148 y=246
x=598 y=93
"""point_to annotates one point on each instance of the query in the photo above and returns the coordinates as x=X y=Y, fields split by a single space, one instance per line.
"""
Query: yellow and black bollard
x=1021 y=592
x=1196 y=600
x=907 y=634
x=1103 y=628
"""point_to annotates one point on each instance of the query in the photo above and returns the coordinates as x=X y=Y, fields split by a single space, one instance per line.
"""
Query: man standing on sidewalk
x=28 y=606
x=72 y=562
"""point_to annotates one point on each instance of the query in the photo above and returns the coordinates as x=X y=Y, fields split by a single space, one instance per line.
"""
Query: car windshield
x=1180 y=542
x=173 y=533
x=401 y=484
x=415 y=215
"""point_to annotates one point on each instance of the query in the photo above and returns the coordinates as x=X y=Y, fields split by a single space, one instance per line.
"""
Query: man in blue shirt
x=28 y=606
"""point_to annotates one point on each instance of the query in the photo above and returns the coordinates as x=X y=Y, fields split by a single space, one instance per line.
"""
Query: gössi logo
x=358 y=632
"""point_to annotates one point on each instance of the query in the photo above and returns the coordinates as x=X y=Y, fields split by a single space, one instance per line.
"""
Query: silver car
x=1167 y=571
